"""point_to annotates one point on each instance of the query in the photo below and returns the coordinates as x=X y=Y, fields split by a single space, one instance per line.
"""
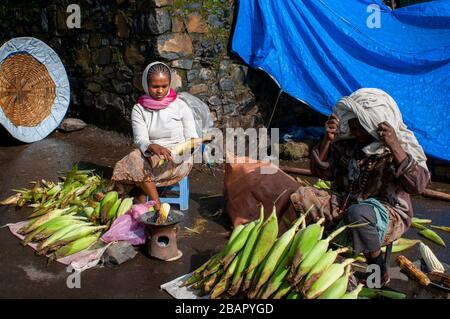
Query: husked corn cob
x=433 y=264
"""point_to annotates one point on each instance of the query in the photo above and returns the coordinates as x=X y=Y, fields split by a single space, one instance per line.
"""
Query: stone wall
x=118 y=38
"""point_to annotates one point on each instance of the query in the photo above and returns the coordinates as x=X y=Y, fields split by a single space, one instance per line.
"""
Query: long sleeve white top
x=168 y=127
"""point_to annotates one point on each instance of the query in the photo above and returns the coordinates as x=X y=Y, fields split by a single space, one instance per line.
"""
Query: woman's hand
x=388 y=136
x=331 y=131
x=161 y=151
x=332 y=127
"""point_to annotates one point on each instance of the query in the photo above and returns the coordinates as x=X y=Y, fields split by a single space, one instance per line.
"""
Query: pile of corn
x=68 y=216
x=255 y=264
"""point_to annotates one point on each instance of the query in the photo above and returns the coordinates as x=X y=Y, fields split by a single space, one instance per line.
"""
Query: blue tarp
x=321 y=50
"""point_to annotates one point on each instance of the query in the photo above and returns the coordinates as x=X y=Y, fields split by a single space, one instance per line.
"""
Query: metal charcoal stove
x=162 y=242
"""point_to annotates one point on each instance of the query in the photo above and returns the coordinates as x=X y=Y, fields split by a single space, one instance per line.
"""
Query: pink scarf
x=151 y=104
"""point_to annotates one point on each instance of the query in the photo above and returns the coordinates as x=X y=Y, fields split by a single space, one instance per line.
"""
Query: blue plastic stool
x=183 y=199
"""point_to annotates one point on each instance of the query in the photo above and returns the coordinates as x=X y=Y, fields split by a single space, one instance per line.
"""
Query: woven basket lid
x=34 y=89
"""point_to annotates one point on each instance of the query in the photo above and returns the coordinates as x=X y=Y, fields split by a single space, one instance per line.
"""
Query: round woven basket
x=27 y=91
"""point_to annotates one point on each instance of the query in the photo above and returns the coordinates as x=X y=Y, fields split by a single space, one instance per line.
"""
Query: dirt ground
x=24 y=275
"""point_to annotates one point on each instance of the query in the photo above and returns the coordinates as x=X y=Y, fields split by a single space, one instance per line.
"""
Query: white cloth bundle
x=372 y=107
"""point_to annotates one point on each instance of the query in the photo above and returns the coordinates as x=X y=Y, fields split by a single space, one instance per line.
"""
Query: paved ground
x=24 y=275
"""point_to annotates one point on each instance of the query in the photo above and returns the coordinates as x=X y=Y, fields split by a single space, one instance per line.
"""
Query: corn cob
x=418 y=226
x=443 y=228
x=354 y=293
x=293 y=295
x=285 y=289
x=412 y=270
x=232 y=249
x=279 y=249
x=237 y=279
x=76 y=246
x=338 y=288
x=125 y=206
x=322 y=265
x=328 y=277
x=49 y=228
x=374 y=293
x=421 y=221
x=107 y=202
x=402 y=244
x=235 y=232
x=433 y=264
x=309 y=238
x=209 y=285
x=43 y=219
x=113 y=211
x=224 y=282
x=440 y=278
x=315 y=255
x=431 y=235
x=163 y=213
x=265 y=241
x=56 y=236
x=75 y=234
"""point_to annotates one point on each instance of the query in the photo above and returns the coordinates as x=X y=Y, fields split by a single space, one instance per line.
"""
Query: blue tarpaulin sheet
x=321 y=50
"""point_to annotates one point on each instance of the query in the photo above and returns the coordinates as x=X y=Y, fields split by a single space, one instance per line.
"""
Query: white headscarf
x=145 y=76
x=372 y=107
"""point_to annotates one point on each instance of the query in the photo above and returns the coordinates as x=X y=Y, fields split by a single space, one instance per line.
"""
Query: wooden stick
x=427 y=193
x=294 y=170
x=436 y=194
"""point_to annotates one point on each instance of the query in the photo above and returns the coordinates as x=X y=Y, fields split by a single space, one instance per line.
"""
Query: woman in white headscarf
x=375 y=163
x=160 y=121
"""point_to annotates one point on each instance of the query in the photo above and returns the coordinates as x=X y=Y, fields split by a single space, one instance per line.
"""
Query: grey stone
x=72 y=125
x=229 y=109
x=226 y=84
x=192 y=75
x=215 y=100
x=94 y=87
x=206 y=74
x=215 y=22
x=244 y=97
x=88 y=98
x=124 y=74
x=122 y=87
x=102 y=56
x=107 y=100
x=193 y=6
x=118 y=253
x=159 y=21
x=239 y=73
x=174 y=46
x=223 y=68
x=185 y=64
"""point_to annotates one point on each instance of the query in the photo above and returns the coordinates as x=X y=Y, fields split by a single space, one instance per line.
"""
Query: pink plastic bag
x=127 y=227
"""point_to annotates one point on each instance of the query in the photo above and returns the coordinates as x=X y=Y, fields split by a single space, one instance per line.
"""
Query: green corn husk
x=443 y=228
x=372 y=293
x=431 y=235
x=76 y=246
